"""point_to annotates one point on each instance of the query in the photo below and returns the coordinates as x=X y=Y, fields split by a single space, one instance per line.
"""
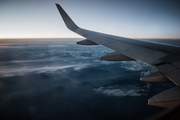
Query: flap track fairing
x=155 y=77
x=86 y=42
x=166 y=98
x=115 y=56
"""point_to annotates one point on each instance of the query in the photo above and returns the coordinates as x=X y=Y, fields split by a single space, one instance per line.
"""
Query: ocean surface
x=43 y=79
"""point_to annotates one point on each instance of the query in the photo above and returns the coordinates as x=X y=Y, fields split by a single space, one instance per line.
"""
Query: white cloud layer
x=14 y=71
x=122 y=91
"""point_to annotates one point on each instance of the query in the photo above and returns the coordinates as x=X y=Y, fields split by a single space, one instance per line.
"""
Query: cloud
x=133 y=65
x=14 y=71
x=119 y=91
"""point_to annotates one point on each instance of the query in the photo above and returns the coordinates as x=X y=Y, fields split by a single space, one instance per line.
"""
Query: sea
x=56 y=79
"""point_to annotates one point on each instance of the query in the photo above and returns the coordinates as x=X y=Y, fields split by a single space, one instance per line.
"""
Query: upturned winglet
x=67 y=20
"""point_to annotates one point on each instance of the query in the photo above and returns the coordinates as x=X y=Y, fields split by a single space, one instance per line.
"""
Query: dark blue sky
x=128 y=18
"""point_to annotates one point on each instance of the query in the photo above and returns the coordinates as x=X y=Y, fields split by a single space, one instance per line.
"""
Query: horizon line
x=73 y=38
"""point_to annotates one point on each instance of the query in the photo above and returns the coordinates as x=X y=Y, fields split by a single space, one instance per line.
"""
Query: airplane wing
x=164 y=57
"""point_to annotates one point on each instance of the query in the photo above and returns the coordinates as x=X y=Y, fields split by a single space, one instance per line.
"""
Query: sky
x=127 y=18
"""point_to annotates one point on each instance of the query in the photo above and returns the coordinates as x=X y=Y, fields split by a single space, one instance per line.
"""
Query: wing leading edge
x=164 y=57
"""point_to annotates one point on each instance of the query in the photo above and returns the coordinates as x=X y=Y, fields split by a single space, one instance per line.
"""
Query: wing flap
x=177 y=64
x=170 y=71
x=155 y=77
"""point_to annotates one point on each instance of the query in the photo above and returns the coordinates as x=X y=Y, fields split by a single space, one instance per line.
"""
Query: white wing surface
x=164 y=57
